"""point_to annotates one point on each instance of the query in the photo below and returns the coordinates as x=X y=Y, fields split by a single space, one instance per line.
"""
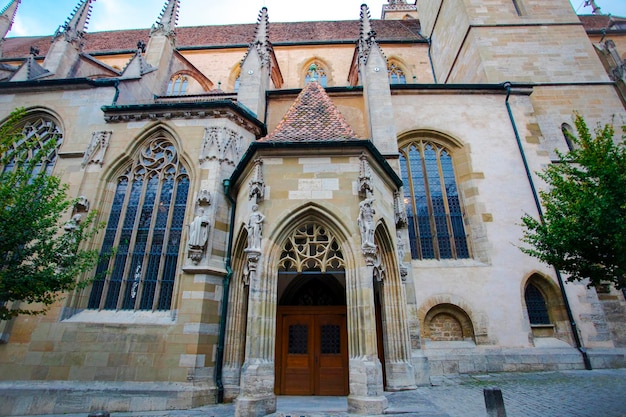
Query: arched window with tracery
x=396 y=74
x=178 y=85
x=145 y=226
x=44 y=134
x=311 y=247
x=433 y=206
x=316 y=71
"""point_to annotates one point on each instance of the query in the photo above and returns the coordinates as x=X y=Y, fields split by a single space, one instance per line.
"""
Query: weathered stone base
x=478 y=359
x=607 y=358
x=254 y=407
x=61 y=397
x=367 y=405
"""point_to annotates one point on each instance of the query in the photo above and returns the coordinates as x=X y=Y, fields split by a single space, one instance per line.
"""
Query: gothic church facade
x=311 y=208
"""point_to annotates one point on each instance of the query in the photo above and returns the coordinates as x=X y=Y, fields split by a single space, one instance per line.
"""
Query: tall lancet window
x=142 y=238
x=434 y=211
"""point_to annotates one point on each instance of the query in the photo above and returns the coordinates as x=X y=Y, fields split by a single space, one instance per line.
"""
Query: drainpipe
x=570 y=316
x=219 y=362
x=430 y=58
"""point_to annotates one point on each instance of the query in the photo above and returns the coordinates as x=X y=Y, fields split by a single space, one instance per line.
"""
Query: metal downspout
x=570 y=316
x=430 y=58
x=219 y=361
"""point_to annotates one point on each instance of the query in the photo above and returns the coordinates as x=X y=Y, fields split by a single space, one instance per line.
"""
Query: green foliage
x=583 y=232
x=39 y=256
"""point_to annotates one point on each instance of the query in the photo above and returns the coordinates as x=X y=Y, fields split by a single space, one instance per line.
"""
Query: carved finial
x=141 y=46
x=313 y=72
x=167 y=19
x=74 y=29
x=34 y=51
x=262 y=27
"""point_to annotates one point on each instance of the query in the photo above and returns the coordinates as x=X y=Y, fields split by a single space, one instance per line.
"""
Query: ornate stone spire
x=261 y=41
x=167 y=20
x=6 y=17
x=74 y=29
x=367 y=35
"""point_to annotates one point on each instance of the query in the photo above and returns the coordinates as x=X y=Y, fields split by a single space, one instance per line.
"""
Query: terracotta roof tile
x=313 y=117
x=125 y=40
x=593 y=22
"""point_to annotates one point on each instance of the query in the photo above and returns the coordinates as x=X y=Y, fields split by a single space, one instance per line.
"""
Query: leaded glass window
x=536 y=305
x=45 y=134
x=396 y=75
x=316 y=72
x=145 y=226
x=435 y=217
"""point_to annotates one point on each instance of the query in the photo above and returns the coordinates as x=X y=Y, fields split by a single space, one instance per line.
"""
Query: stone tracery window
x=311 y=248
x=145 y=227
x=435 y=217
x=47 y=135
x=396 y=74
x=316 y=71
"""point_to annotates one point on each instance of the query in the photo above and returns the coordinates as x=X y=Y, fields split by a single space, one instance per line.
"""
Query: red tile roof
x=594 y=22
x=230 y=35
x=312 y=117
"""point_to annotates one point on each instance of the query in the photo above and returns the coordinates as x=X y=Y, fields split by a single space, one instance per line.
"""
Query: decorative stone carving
x=221 y=143
x=255 y=229
x=366 y=187
x=81 y=205
x=366 y=222
x=379 y=268
x=94 y=154
x=73 y=223
x=204 y=198
x=399 y=210
x=401 y=252
x=198 y=236
x=257 y=185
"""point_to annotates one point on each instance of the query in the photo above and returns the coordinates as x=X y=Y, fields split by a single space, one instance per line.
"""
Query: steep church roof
x=229 y=35
x=313 y=117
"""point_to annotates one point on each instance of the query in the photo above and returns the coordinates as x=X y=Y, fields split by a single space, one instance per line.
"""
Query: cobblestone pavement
x=597 y=393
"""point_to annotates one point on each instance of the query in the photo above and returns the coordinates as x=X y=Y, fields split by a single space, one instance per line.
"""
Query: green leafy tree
x=583 y=230
x=40 y=256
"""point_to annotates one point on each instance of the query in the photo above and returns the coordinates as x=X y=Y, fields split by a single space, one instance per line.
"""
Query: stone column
x=366 y=378
x=257 y=381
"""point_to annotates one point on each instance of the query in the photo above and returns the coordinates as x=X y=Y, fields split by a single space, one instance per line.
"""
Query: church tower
x=522 y=42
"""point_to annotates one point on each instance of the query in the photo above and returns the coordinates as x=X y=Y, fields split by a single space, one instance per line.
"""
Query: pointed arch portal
x=311 y=324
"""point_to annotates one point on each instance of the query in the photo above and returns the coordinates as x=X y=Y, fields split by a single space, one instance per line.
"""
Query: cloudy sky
x=42 y=17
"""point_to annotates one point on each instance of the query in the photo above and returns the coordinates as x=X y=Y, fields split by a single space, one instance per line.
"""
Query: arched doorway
x=311 y=337
x=311 y=324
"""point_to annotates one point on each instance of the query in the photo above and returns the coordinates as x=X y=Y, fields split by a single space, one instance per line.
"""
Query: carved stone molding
x=94 y=154
x=81 y=205
x=204 y=198
x=366 y=187
x=399 y=209
x=257 y=184
x=222 y=144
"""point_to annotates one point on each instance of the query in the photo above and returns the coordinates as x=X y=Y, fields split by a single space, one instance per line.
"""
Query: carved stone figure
x=199 y=231
x=366 y=222
x=255 y=228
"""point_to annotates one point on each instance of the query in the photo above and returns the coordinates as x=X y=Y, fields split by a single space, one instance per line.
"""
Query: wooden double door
x=311 y=351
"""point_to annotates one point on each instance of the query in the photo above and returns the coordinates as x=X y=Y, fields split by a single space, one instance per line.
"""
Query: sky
x=43 y=17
